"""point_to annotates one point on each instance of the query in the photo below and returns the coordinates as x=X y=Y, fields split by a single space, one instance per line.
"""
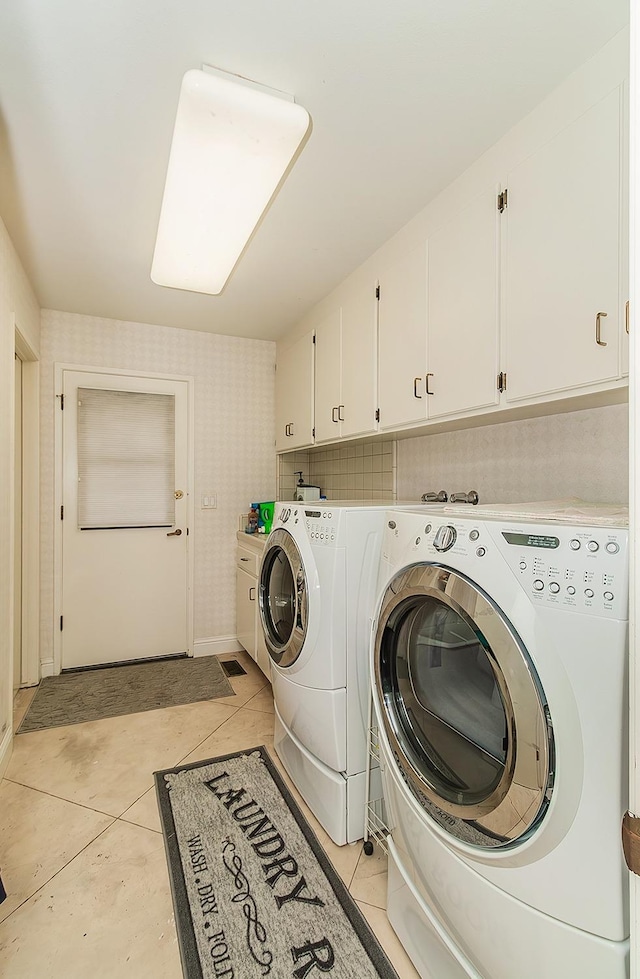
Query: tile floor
x=81 y=849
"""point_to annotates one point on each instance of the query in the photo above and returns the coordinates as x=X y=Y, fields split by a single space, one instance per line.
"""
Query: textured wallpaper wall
x=234 y=439
x=580 y=453
x=18 y=307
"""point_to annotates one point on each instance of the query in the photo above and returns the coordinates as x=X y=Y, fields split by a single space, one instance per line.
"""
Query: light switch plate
x=209 y=502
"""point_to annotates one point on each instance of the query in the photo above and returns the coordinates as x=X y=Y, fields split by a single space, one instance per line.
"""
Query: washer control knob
x=612 y=547
x=538 y=585
x=481 y=551
x=523 y=565
x=574 y=544
x=445 y=538
x=571 y=590
x=392 y=525
x=427 y=529
x=588 y=592
x=284 y=516
x=608 y=596
x=593 y=546
x=474 y=534
x=554 y=587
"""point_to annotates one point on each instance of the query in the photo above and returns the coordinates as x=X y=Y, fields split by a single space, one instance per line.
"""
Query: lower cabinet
x=248 y=625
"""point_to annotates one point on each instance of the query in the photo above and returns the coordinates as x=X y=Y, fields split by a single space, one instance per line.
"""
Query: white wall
x=234 y=440
x=18 y=307
x=581 y=453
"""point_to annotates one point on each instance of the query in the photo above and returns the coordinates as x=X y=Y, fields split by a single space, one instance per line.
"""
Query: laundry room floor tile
x=107 y=765
x=21 y=704
x=144 y=812
x=387 y=937
x=263 y=701
x=246 y=729
x=39 y=835
x=245 y=687
x=369 y=882
x=107 y=913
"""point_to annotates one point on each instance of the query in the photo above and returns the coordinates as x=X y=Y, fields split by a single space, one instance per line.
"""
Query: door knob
x=174 y=533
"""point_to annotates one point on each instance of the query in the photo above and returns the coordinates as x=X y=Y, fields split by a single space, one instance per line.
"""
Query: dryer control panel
x=584 y=568
x=576 y=568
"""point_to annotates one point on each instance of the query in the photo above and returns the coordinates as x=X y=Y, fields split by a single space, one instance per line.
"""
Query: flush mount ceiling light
x=233 y=143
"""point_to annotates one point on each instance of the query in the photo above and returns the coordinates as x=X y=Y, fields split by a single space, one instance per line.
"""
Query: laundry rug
x=91 y=695
x=253 y=891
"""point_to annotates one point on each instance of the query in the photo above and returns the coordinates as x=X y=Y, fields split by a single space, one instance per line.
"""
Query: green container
x=265 y=517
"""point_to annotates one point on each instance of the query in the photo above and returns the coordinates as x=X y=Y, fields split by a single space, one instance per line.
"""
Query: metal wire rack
x=375 y=817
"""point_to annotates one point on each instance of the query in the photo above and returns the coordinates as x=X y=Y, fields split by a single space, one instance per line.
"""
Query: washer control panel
x=576 y=568
x=321 y=526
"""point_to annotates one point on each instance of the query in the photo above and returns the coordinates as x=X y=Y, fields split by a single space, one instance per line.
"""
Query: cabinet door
x=359 y=398
x=402 y=340
x=462 y=345
x=246 y=592
x=327 y=382
x=262 y=655
x=294 y=395
x=562 y=225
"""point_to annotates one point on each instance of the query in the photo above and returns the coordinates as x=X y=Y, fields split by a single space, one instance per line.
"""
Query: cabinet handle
x=599 y=316
x=426 y=383
x=244 y=558
x=291 y=429
x=340 y=415
x=252 y=598
x=415 y=387
x=626 y=316
x=286 y=431
x=334 y=417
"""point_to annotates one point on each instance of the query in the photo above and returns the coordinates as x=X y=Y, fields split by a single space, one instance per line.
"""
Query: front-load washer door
x=462 y=708
x=283 y=598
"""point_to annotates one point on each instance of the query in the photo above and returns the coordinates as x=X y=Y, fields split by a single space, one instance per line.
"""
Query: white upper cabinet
x=328 y=404
x=463 y=340
x=345 y=402
x=294 y=395
x=359 y=362
x=402 y=340
x=562 y=259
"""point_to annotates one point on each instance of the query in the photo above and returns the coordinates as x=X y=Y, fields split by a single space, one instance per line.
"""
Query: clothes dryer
x=317 y=583
x=499 y=652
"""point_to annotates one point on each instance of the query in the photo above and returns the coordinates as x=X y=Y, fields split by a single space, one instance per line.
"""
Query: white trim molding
x=216 y=646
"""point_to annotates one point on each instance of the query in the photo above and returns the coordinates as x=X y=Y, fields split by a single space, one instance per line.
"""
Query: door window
x=126 y=459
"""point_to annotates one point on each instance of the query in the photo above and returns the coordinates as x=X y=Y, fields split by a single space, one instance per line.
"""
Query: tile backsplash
x=578 y=453
x=363 y=471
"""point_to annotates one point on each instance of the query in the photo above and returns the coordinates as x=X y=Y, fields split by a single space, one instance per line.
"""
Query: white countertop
x=255 y=541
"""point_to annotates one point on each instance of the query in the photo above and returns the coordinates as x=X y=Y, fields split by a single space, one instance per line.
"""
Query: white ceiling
x=403 y=95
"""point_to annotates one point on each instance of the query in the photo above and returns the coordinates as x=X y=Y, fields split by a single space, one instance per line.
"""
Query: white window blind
x=126 y=459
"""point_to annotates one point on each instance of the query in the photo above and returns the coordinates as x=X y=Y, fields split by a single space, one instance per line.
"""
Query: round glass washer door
x=462 y=708
x=283 y=598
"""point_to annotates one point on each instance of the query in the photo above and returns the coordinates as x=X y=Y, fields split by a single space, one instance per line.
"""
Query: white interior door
x=124 y=518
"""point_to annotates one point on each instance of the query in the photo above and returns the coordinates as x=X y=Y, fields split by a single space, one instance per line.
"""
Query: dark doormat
x=253 y=891
x=92 y=695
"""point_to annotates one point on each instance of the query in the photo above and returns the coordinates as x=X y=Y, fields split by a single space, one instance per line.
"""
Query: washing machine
x=499 y=679
x=317 y=583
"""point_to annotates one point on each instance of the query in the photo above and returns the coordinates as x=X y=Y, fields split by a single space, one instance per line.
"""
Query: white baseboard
x=216 y=646
x=5 y=750
x=47 y=668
